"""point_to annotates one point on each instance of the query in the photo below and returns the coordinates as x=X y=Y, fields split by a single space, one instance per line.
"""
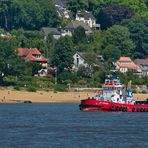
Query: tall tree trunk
x=1 y=81
x=6 y=21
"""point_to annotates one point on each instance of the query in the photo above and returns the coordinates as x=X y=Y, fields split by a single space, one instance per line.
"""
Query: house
x=86 y=17
x=62 y=12
x=81 y=60
x=143 y=65
x=55 y=32
x=141 y=89
x=69 y=29
x=4 y=34
x=61 y=8
x=125 y=64
x=32 y=55
x=42 y=72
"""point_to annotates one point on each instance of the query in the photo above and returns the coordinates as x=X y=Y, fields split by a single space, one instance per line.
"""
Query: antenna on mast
x=115 y=75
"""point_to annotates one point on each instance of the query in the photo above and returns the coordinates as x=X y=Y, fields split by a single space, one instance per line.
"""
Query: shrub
x=81 y=82
x=9 y=80
x=60 y=87
x=31 y=89
x=16 y=87
x=67 y=76
x=144 y=92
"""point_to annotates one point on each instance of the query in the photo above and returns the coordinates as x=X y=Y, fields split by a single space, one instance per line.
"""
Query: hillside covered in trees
x=124 y=26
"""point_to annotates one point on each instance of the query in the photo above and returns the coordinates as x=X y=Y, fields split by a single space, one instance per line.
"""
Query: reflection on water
x=64 y=126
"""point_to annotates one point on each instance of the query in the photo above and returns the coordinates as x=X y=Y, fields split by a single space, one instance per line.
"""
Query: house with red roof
x=125 y=64
x=32 y=55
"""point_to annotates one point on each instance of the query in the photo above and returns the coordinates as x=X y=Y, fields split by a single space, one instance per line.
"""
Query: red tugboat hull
x=106 y=106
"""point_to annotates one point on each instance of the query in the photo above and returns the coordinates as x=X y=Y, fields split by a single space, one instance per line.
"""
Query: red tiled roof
x=28 y=54
x=22 y=52
x=124 y=59
x=130 y=65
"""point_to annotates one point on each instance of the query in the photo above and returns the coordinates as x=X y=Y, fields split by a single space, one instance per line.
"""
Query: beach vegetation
x=31 y=89
x=60 y=88
x=68 y=77
x=17 y=88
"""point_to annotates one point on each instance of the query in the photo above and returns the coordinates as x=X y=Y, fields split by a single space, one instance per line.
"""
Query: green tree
x=119 y=37
x=33 y=67
x=139 y=34
x=76 y=5
x=50 y=43
x=62 y=57
x=95 y=41
x=26 y=14
x=79 y=35
x=10 y=63
x=139 y=6
x=5 y=18
x=29 y=39
x=114 y=14
x=110 y=52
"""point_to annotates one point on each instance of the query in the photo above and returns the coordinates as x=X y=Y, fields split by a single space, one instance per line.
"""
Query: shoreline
x=13 y=96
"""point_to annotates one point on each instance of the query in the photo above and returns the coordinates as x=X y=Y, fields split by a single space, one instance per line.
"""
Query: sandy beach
x=13 y=96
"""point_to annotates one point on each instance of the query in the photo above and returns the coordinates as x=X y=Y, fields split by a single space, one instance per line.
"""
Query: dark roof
x=141 y=61
x=86 y=15
x=60 y=11
x=48 y=30
x=62 y=3
x=76 y=24
x=84 y=55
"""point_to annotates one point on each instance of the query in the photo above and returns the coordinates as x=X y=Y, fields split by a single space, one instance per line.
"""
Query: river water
x=64 y=126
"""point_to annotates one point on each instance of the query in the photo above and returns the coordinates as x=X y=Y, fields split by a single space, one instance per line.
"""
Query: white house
x=79 y=61
x=87 y=18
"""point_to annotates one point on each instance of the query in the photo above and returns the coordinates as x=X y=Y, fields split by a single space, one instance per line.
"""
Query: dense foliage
x=140 y=7
x=124 y=25
x=119 y=37
x=138 y=28
x=28 y=14
x=114 y=14
x=62 y=58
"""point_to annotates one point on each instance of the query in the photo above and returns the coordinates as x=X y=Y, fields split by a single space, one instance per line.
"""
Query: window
x=37 y=56
x=77 y=61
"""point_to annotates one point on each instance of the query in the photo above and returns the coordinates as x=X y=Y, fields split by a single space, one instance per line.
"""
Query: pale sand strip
x=12 y=96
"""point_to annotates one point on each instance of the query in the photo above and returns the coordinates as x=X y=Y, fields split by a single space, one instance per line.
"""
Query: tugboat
x=113 y=98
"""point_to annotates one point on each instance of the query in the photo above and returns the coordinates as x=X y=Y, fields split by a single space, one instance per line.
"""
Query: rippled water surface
x=64 y=126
